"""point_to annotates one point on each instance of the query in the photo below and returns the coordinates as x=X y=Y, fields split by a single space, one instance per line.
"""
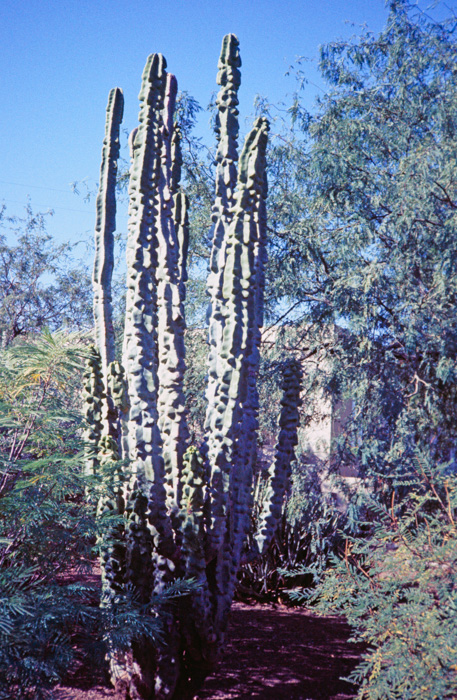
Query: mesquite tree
x=186 y=508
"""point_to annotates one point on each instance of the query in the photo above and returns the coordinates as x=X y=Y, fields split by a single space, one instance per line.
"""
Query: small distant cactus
x=186 y=508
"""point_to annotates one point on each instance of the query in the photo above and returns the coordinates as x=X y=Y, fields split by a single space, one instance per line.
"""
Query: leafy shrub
x=397 y=586
x=49 y=532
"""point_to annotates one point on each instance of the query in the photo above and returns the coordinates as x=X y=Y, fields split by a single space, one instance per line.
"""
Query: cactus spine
x=186 y=509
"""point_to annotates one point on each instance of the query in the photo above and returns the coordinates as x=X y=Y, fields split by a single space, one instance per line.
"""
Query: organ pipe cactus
x=105 y=227
x=185 y=508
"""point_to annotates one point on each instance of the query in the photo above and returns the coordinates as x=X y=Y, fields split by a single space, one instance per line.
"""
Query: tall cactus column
x=150 y=527
x=279 y=472
x=105 y=227
x=99 y=401
x=186 y=508
x=230 y=474
x=227 y=128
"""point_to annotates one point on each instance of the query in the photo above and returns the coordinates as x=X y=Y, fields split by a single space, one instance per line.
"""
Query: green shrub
x=397 y=586
x=49 y=532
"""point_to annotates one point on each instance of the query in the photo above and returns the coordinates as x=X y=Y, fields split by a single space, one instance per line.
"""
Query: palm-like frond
x=49 y=357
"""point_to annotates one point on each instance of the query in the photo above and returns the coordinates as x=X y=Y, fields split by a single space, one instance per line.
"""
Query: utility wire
x=45 y=206
x=41 y=187
x=36 y=187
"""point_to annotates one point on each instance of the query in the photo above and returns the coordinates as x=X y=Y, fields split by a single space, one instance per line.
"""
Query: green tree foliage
x=379 y=233
x=40 y=285
x=379 y=256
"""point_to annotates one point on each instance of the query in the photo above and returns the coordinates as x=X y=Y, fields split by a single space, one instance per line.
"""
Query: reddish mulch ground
x=272 y=653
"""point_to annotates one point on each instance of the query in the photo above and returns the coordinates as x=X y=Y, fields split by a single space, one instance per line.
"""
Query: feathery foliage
x=396 y=585
x=49 y=532
x=379 y=236
x=40 y=285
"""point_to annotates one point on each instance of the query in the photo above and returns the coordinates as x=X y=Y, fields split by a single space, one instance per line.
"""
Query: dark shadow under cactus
x=272 y=653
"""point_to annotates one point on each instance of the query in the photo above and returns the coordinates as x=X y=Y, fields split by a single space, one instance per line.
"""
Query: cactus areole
x=185 y=508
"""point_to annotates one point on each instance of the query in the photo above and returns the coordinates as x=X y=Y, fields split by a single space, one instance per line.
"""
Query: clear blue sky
x=61 y=57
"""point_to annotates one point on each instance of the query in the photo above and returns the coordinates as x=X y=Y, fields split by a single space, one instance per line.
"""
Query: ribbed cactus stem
x=171 y=323
x=229 y=78
x=191 y=512
x=140 y=342
x=246 y=447
x=180 y=210
x=251 y=400
x=249 y=424
x=111 y=503
x=230 y=449
x=176 y=160
x=117 y=386
x=117 y=389
x=131 y=143
x=93 y=400
x=279 y=473
x=224 y=413
x=192 y=517
x=181 y=218
x=105 y=227
x=140 y=354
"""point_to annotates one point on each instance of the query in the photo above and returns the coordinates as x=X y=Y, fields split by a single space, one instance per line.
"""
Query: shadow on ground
x=272 y=653
x=283 y=654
